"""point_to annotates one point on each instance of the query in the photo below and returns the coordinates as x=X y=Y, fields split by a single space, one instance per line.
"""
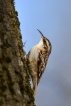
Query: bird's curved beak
x=40 y=33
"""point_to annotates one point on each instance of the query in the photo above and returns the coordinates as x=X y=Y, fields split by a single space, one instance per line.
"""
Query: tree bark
x=15 y=87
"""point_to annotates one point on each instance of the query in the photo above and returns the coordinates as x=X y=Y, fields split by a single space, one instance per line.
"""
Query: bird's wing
x=41 y=64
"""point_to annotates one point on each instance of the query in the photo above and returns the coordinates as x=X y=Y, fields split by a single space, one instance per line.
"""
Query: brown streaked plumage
x=37 y=60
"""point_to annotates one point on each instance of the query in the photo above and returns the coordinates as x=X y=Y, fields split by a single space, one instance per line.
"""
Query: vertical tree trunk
x=15 y=88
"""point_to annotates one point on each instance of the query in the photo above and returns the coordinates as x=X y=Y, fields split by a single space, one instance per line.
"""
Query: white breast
x=33 y=54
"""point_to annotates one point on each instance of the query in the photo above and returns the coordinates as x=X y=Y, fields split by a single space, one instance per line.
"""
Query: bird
x=37 y=59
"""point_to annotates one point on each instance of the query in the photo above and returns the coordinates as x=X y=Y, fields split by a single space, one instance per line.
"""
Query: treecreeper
x=37 y=59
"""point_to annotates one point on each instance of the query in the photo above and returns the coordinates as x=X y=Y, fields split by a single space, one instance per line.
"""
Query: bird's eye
x=44 y=41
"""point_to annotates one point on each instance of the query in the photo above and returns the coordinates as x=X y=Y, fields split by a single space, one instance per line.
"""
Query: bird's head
x=46 y=42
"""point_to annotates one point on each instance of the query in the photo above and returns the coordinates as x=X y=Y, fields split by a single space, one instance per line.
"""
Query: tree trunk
x=15 y=88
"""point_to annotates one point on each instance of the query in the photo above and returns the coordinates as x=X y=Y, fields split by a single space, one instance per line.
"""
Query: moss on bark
x=14 y=78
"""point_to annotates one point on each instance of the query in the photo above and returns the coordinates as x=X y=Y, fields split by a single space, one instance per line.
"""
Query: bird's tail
x=34 y=80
